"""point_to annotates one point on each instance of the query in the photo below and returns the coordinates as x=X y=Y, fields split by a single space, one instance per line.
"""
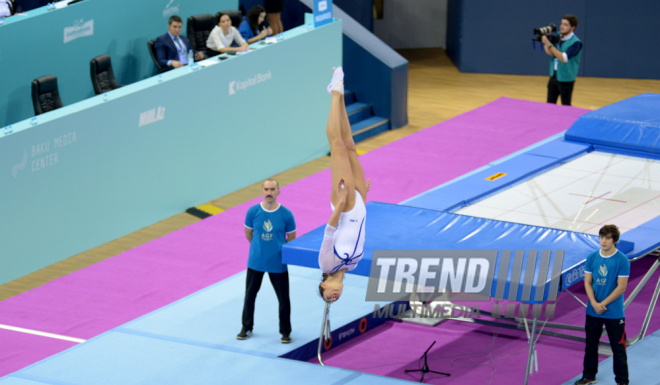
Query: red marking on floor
x=600 y=197
x=566 y=185
x=639 y=205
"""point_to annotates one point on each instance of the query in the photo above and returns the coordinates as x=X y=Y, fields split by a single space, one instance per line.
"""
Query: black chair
x=45 y=95
x=103 y=78
x=199 y=29
x=152 y=51
x=16 y=8
x=235 y=16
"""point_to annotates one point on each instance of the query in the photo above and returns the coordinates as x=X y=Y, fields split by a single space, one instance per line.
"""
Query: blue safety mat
x=212 y=316
x=396 y=227
x=643 y=365
x=632 y=124
x=193 y=340
x=121 y=358
x=499 y=176
x=19 y=381
x=561 y=149
x=478 y=186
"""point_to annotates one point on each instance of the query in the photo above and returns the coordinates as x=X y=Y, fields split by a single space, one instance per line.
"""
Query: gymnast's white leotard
x=343 y=246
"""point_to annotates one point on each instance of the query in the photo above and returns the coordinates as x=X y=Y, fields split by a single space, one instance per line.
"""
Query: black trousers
x=557 y=88
x=616 y=331
x=280 y=283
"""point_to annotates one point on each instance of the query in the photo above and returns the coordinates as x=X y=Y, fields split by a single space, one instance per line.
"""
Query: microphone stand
x=425 y=369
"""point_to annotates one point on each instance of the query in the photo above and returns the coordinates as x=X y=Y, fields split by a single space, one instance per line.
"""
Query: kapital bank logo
x=79 y=29
x=235 y=86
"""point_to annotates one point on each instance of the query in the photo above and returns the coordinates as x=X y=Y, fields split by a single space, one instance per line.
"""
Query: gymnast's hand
x=600 y=308
x=342 y=193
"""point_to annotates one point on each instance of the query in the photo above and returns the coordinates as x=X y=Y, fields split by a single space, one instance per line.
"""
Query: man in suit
x=7 y=8
x=172 y=48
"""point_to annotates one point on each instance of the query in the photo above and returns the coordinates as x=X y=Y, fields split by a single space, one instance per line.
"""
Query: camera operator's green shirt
x=566 y=72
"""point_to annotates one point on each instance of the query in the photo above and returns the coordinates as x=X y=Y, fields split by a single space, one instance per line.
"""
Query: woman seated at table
x=223 y=35
x=252 y=28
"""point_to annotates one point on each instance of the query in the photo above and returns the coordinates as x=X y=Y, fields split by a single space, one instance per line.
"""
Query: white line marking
x=43 y=334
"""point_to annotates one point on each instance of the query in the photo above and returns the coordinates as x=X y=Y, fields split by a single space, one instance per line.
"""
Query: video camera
x=550 y=31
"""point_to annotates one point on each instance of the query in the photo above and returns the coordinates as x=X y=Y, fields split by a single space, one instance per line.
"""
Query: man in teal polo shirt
x=605 y=279
x=268 y=226
x=565 y=61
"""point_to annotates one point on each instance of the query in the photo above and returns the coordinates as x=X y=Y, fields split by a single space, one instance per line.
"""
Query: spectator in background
x=565 y=61
x=252 y=28
x=223 y=35
x=6 y=8
x=172 y=48
x=273 y=10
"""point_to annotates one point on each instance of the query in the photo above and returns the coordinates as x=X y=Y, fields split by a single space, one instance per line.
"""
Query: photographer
x=565 y=61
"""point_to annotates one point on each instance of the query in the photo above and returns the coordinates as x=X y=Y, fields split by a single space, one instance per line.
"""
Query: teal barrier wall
x=96 y=170
x=62 y=43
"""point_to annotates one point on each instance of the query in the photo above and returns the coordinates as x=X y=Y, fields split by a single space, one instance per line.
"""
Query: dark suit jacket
x=166 y=50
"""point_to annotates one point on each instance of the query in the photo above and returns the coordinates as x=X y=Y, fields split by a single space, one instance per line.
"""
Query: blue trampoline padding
x=476 y=187
x=395 y=227
x=632 y=124
x=646 y=237
x=561 y=149
x=625 y=151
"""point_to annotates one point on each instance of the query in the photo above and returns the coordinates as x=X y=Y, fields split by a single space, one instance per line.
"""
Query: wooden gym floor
x=437 y=91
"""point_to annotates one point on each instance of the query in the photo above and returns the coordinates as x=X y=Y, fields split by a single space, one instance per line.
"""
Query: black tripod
x=425 y=368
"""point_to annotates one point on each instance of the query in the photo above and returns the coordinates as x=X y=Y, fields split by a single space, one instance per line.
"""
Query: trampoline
x=549 y=199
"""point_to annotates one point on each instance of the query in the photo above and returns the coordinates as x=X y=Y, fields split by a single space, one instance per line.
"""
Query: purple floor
x=475 y=354
x=110 y=293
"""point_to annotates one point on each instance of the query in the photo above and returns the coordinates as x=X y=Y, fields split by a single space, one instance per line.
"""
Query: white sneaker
x=337 y=82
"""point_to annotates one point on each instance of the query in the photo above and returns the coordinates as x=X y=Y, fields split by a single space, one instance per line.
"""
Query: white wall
x=413 y=24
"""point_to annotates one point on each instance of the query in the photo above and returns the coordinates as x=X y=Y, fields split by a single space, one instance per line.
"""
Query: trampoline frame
x=522 y=323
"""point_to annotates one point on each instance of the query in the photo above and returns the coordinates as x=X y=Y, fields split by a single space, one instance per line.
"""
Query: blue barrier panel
x=361 y=11
x=377 y=73
x=97 y=170
x=471 y=49
x=62 y=43
x=471 y=22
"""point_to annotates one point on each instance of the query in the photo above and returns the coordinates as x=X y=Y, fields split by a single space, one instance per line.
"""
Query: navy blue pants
x=616 y=331
x=280 y=283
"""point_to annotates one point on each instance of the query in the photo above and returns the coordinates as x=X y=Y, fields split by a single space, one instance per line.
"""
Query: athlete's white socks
x=337 y=82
